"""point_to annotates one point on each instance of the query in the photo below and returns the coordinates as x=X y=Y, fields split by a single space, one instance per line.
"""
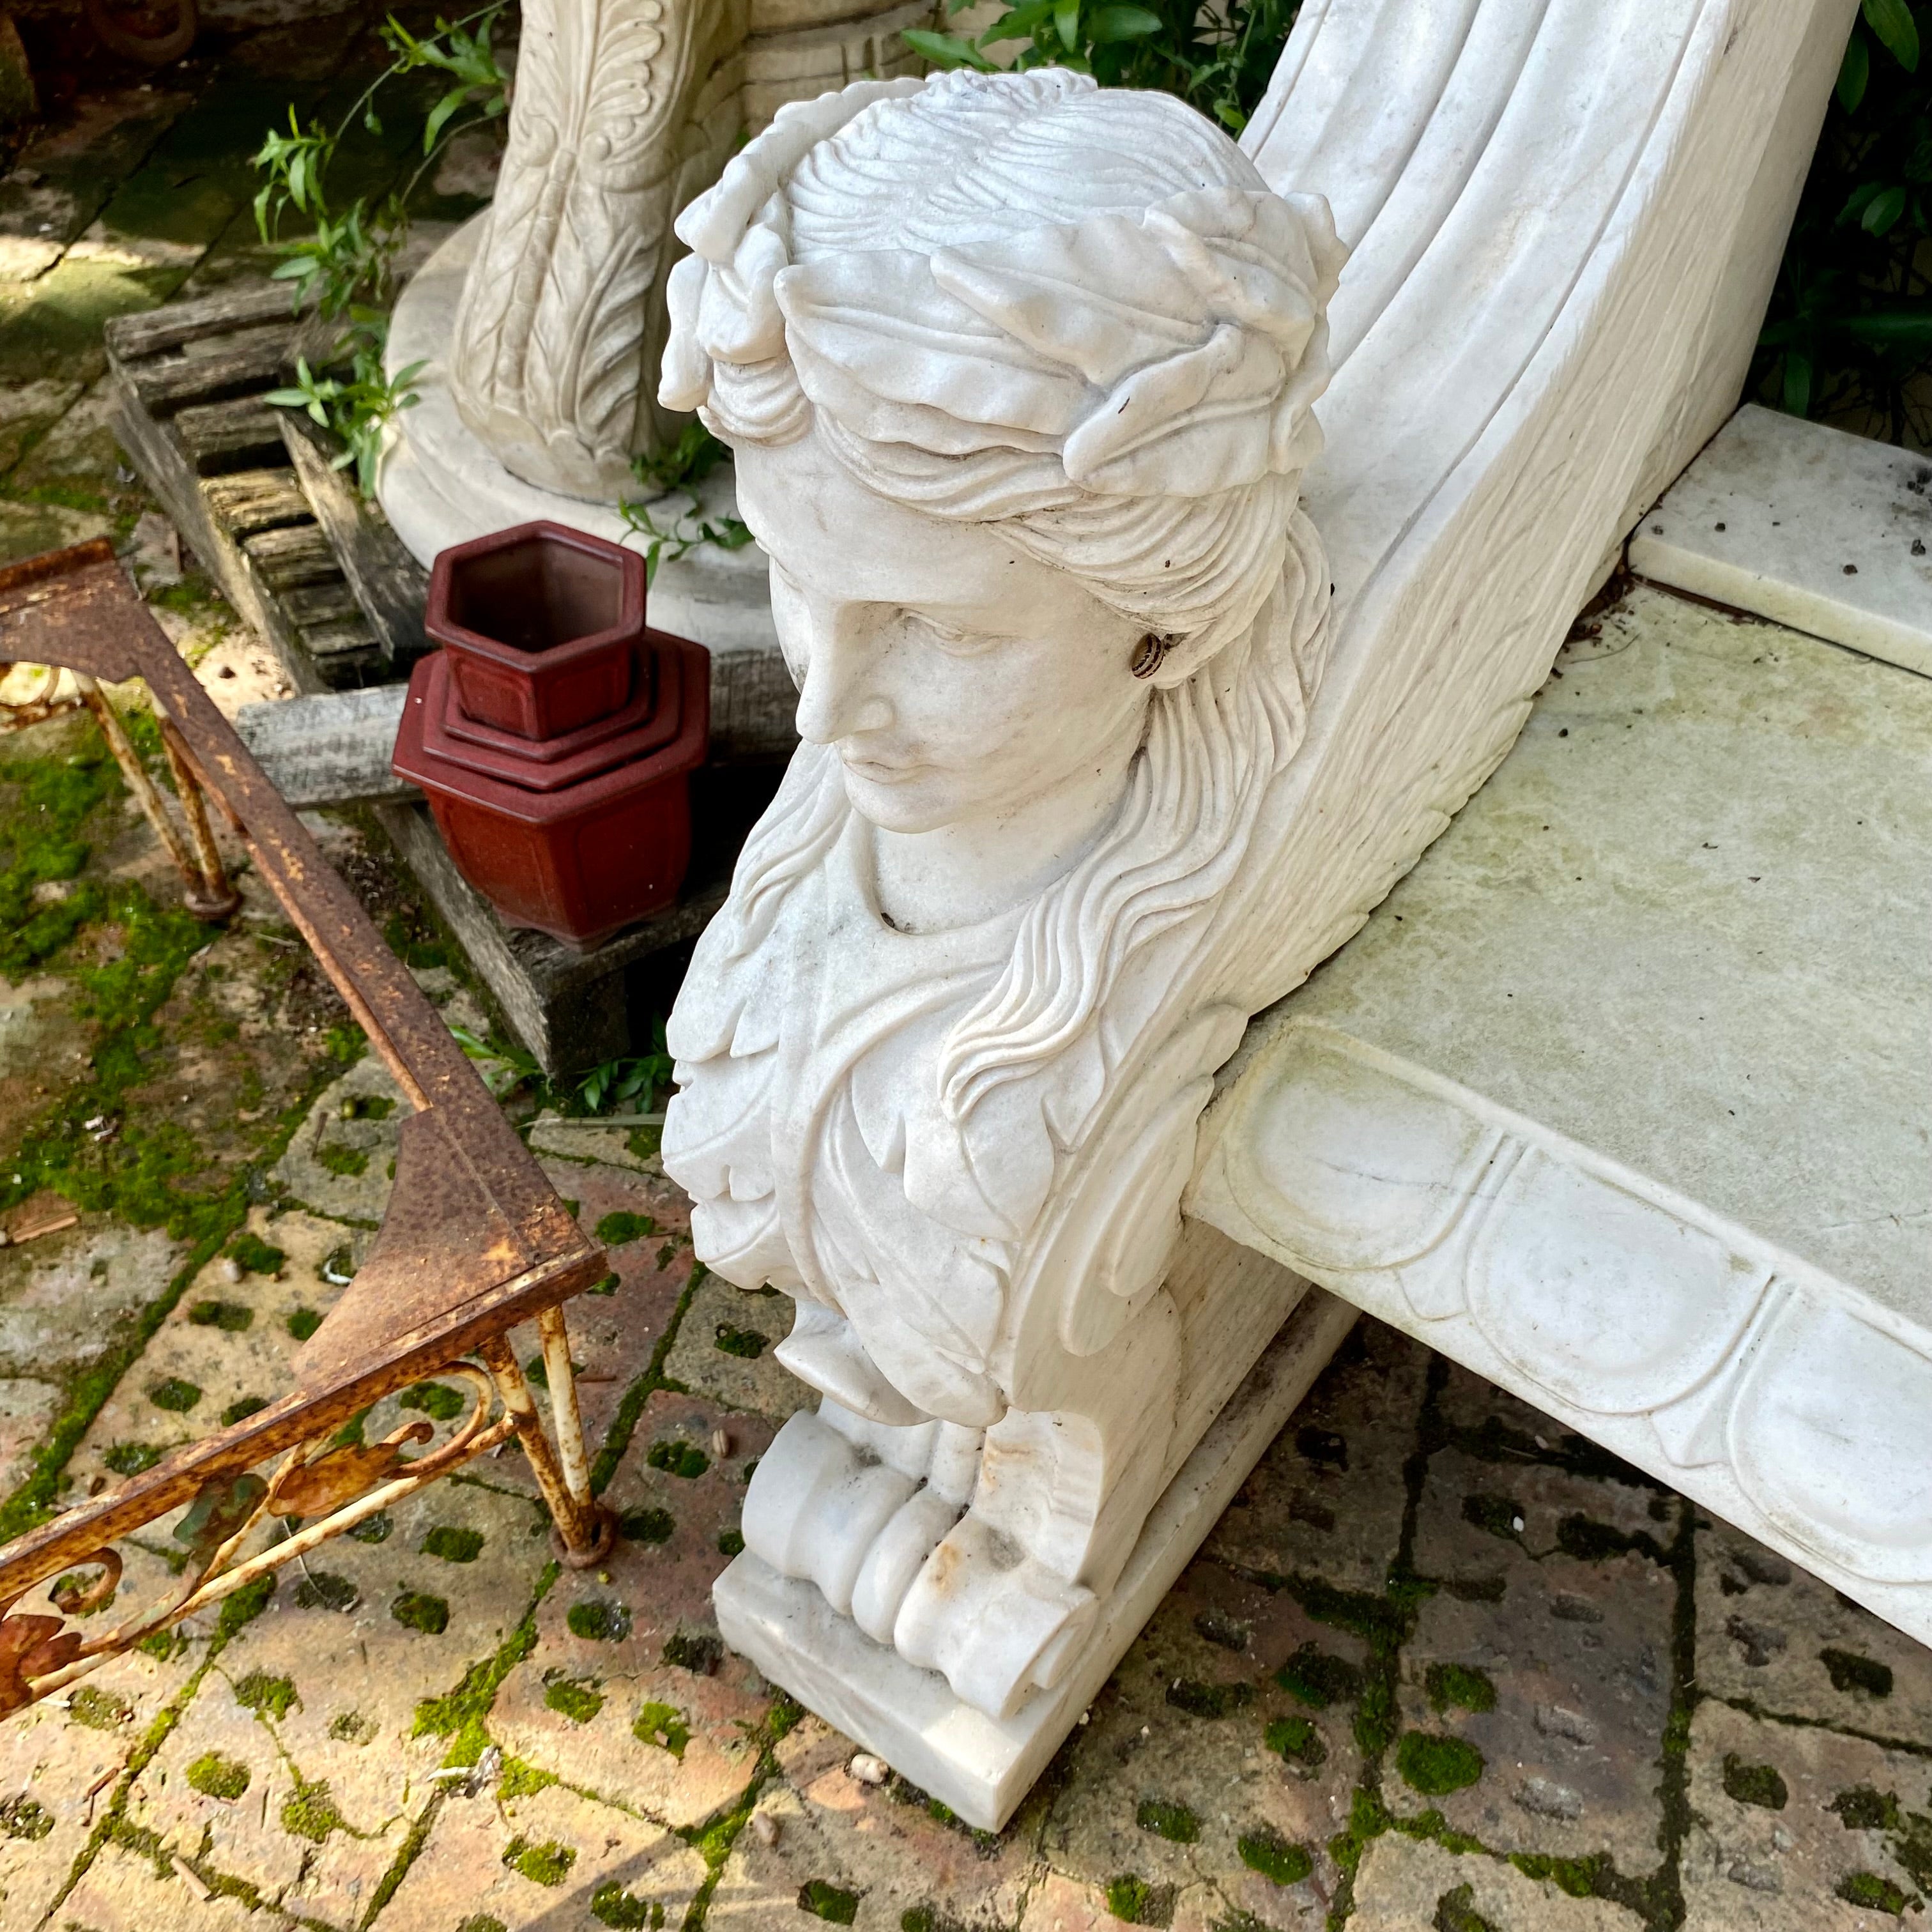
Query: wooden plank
x=320 y=603
x=132 y=337
x=345 y=652
x=292 y=556
x=330 y=750
x=389 y=584
x=244 y=434
x=753 y=706
x=167 y=383
x=256 y=499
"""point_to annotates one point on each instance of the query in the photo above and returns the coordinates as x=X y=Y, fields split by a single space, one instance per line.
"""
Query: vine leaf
x=30 y=1646
x=345 y=1473
x=218 y=1510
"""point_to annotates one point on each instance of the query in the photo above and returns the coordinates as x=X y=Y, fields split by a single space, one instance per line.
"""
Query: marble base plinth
x=981 y=1766
x=439 y=485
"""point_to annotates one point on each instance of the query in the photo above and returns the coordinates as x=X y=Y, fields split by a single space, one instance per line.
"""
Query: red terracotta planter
x=585 y=827
x=541 y=624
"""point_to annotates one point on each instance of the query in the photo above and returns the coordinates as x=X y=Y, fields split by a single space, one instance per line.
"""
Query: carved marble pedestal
x=979 y=1765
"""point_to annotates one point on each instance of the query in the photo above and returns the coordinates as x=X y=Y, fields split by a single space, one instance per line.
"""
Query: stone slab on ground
x=1619 y=1098
x=1792 y=520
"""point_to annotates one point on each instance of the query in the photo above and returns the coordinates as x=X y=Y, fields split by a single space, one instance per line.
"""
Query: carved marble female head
x=1019 y=374
x=1021 y=381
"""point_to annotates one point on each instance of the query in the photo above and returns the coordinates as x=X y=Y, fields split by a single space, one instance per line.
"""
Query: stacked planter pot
x=555 y=733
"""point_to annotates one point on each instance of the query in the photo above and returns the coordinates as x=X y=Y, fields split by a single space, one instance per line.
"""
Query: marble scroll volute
x=1018 y=374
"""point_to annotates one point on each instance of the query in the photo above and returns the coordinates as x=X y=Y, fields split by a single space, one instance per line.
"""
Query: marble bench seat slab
x=1792 y=520
x=1621 y=1097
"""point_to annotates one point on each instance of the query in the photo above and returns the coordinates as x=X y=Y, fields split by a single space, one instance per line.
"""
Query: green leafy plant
x=1218 y=58
x=1849 y=332
x=342 y=266
x=682 y=534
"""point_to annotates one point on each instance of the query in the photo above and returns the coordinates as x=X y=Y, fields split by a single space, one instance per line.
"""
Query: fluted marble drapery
x=622 y=110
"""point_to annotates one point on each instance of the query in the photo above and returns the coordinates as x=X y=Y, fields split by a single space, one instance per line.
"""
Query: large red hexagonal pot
x=541 y=624
x=576 y=830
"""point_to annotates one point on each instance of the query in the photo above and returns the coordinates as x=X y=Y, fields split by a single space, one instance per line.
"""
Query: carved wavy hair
x=1082 y=317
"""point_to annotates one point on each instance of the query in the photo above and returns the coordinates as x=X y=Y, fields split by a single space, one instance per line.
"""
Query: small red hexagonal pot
x=579 y=860
x=541 y=623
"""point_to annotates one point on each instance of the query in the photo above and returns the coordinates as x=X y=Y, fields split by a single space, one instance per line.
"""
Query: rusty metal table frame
x=475 y=1240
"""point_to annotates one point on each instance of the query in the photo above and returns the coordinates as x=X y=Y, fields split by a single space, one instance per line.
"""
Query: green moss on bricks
x=611 y=1905
x=99 y=1710
x=1863 y=1809
x=309 y=1812
x=1209 y=1700
x=662 y=1725
x=599 y=1621
x=481 y=1921
x=418 y=1610
x=346 y=1163
x=130 y=1459
x=1459 y=1687
x=377 y=1528
x=1134 y=1902
x=324 y=1590
x=452 y=1544
x=1456 y=1912
x=1175 y=1822
x=1433 y=1765
x=647 y=1525
x=1314 y=1678
x=1753 y=1783
x=215 y=1776
x=542 y=1864
x=823 y=1900
x=230 y=1317
x=241 y=1410
x=303 y=1323
x=241 y=1609
x=1848 y=1671
x=351 y=1727
x=1581 y=1878
x=521 y=1780
x=614 y=1230
x=747 y=1344
x=174 y=1394
x=1274 y=1857
x=1296 y=1740
x=268 y=1696
x=436 y=1400
x=256 y=1256
x=1499 y=1515
x=1874 y=1893
x=677 y=1458
x=25 y=1817
x=697 y=1651
x=731 y=1543
x=578 y=1698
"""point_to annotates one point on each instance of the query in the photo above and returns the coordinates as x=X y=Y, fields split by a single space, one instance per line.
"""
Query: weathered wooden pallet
x=325 y=581
x=189 y=380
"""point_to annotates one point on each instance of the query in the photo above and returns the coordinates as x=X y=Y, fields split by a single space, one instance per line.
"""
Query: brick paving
x=1441 y=1668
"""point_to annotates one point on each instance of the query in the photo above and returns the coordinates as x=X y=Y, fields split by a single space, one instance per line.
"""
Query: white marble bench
x=1620 y=1098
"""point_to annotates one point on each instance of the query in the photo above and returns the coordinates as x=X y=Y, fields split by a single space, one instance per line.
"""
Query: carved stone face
x=958 y=678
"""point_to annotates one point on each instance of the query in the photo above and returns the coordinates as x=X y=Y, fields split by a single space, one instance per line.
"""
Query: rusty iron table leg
x=585 y=1528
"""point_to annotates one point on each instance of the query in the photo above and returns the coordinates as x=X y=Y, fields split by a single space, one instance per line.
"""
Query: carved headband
x=1175 y=352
